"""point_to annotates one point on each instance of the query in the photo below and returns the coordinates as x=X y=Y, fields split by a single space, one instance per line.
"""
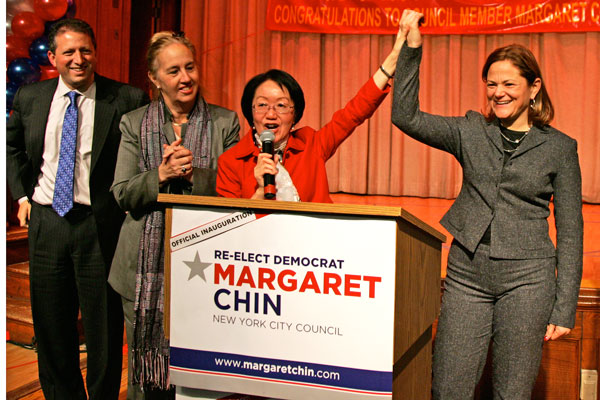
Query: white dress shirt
x=86 y=103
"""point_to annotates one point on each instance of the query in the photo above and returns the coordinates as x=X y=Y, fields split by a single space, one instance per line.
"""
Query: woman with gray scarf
x=169 y=146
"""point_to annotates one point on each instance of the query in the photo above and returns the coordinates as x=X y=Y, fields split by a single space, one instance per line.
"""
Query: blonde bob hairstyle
x=159 y=41
x=540 y=111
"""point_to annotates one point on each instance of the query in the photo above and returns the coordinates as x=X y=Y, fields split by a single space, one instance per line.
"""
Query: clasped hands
x=409 y=30
x=176 y=163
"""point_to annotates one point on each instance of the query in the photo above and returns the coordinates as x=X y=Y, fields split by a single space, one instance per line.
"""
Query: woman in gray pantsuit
x=506 y=282
x=169 y=146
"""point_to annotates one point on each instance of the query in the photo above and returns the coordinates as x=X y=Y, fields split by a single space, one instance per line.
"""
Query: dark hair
x=162 y=39
x=284 y=80
x=69 y=24
x=541 y=112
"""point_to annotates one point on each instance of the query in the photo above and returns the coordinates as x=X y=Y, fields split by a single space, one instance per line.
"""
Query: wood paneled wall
x=111 y=21
x=123 y=28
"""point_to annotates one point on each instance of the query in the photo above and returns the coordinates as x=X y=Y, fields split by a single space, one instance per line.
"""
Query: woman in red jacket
x=274 y=101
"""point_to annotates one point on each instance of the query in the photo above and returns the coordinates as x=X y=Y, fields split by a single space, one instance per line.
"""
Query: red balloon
x=28 y=25
x=48 y=72
x=50 y=9
x=16 y=47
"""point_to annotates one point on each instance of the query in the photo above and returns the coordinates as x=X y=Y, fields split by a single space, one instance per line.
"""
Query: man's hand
x=24 y=213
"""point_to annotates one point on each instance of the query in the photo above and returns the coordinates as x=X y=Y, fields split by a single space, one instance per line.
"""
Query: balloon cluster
x=27 y=25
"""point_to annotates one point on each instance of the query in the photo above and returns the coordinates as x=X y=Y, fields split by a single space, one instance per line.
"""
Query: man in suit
x=62 y=142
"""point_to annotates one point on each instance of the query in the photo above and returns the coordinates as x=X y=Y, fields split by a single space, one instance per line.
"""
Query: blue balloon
x=38 y=51
x=23 y=70
x=11 y=90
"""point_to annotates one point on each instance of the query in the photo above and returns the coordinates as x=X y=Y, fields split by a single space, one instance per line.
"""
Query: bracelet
x=386 y=73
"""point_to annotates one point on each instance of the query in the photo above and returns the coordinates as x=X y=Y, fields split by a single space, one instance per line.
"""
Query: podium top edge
x=316 y=208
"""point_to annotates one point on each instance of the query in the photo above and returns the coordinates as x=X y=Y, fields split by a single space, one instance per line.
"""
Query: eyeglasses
x=280 y=108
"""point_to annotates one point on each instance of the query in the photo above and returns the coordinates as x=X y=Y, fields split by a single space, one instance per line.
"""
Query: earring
x=532 y=103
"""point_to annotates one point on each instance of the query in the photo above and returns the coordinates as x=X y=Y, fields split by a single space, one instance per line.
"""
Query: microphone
x=267 y=138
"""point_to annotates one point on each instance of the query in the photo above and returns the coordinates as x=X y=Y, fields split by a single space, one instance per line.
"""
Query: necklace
x=177 y=123
x=516 y=141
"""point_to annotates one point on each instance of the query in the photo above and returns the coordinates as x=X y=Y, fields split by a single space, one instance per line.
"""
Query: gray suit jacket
x=136 y=192
x=513 y=198
x=25 y=134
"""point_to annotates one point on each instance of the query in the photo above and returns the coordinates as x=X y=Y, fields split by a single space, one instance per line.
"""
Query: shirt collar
x=62 y=89
x=297 y=140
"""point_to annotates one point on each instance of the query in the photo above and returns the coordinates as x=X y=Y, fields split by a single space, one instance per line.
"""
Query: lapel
x=534 y=138
x=245 y=147
x=169 y=132
x=103 y=117
x=296 y=143
x=40 y=111
x=493 y=133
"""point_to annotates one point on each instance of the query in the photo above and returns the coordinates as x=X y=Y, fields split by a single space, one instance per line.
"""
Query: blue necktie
x=63 y=187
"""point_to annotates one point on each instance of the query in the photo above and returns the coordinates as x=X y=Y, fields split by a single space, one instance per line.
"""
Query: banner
x=440 y=17
x=280 y=305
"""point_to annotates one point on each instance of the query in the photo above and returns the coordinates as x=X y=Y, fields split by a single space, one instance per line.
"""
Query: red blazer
x=306 y=152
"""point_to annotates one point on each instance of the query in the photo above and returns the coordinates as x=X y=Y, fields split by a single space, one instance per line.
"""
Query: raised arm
x=434 y=130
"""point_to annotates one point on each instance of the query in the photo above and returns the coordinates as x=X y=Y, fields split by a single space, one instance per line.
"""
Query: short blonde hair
x=159 y=41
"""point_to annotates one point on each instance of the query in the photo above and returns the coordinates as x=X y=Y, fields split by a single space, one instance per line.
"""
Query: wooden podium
x=300 y=300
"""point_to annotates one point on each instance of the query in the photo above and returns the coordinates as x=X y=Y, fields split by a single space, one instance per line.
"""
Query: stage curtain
x=234 y=45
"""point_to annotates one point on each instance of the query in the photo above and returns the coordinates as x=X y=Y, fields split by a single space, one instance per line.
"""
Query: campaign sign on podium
x=283 y=305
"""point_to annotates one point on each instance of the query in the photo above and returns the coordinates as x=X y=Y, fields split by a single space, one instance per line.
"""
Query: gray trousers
x=134 y=392
x=506 y=301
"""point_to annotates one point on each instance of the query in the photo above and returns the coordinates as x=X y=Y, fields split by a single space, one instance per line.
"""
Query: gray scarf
x=150 y=347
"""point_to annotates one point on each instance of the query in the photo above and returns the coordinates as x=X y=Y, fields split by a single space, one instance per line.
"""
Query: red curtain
x=233 y=46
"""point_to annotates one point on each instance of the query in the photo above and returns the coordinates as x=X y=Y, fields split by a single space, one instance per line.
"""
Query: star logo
x=197 y=267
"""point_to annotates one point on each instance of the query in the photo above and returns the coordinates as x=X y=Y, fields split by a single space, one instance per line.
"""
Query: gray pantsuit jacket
x=136 y=192
x=513 y=197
